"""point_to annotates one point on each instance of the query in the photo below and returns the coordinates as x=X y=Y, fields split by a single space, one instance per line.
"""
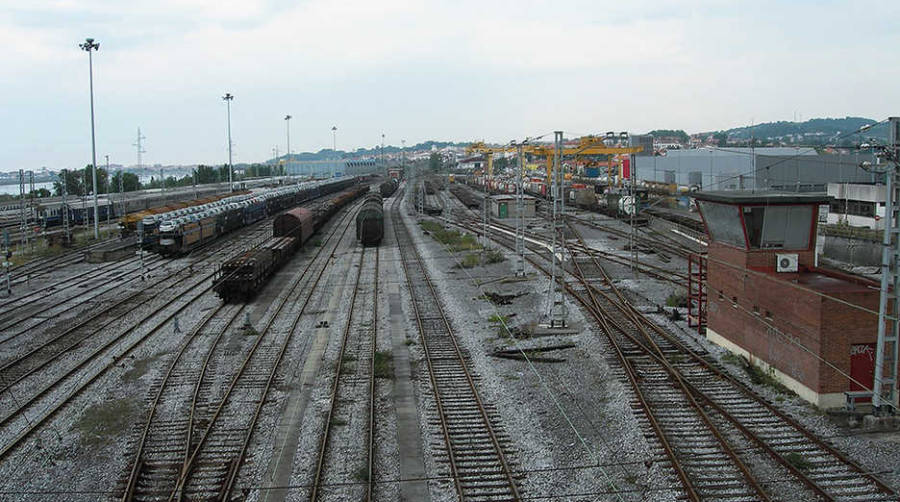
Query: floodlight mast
x=90 y=46
x=228 y=99
x=287 y=122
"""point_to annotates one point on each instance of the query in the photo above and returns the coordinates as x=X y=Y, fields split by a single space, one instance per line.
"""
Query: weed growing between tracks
x=384 y=364
x=452 y=239
x=757 y=375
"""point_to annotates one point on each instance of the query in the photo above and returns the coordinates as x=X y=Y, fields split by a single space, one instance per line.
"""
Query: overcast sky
x=454 y=70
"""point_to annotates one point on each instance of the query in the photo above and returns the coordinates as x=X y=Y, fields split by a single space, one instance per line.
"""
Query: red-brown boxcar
x=297 y=223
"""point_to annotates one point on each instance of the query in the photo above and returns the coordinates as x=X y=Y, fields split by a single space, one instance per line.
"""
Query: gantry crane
x=488 y=151
x=587 y=145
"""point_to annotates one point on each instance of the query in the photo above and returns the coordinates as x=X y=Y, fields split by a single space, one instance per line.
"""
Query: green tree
x=721 y=138
x=102 y=180
x=74 y=182
x=130 y=182
x=207 y=174
x=435 y=161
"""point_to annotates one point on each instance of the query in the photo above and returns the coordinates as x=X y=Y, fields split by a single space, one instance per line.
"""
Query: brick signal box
x=769 y=302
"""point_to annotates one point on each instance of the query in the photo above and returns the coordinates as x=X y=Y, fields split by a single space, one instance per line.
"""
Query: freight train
x=388 y=188
x=241 y=277
x=370 y=220
x=181 y=231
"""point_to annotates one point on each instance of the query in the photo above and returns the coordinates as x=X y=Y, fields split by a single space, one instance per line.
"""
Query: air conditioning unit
x=786 y=262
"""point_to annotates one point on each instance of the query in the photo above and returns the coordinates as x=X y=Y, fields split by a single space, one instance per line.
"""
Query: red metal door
x=862 y=367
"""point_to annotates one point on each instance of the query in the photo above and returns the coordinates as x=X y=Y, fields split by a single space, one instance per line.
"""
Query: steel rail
x=335 y=385
x=370 y=434
x=507 y=472
x=179 y=491
x=632 y=313
x=131 y=483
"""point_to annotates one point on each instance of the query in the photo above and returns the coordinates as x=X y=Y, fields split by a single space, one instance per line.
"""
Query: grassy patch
x=362 y=474
x=468 y=261
x=452 y=239
x=767 y=378
x=336 y=422
x=105 y=422
x=493 y=256
x=733 y=359
x=409 y=341
x=384 y=364
x=499 y=318
x=798 y=461
x=317 y=242
x=676 y=300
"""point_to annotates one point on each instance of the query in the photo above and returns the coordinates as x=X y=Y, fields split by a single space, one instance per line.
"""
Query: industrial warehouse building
x=770 y=303
x=732 y=168
x=857 y=205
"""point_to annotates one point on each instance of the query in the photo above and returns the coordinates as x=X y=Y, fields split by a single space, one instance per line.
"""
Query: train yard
x=340 y=347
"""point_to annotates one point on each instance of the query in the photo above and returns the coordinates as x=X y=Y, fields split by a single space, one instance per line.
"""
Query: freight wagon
x=241 y=277
x=181 y=231
x=388 y=188
x=370 y=221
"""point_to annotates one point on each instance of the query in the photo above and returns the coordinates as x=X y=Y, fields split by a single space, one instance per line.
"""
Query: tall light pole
x=90 y=46
x=383 y=166
x=287 y=121
x=228 y=98
x=334 y=147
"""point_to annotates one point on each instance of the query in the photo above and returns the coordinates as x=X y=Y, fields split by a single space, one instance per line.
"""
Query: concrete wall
x=853 y=251
x=857 y=221
x=852 y=191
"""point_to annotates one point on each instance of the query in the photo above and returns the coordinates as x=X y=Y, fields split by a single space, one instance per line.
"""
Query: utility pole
x=884 y=397
x=287 y=121
x=228 y=98
x=383 y=166
x=334 y=148
x=65 y=208
x=23 y=217
x=121 y=194
x=520 y=211
x=31 y=210
x=108 y=200
x=558 y=314
x=90 y=46
x=140 y=149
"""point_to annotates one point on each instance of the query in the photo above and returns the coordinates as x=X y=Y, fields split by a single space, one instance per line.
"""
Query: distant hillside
x=813 y=131
x=328 y=153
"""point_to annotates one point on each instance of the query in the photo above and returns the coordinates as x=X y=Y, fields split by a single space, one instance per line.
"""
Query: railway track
x=353 y=386
x=474 y=443
x=165 y=439
x=38 y=386
x=211 y=468
x=97 y=285
x=717 y=439
x=645 y=268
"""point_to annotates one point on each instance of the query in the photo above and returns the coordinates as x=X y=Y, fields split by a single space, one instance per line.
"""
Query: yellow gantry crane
x=587 y=145
x=488 y=151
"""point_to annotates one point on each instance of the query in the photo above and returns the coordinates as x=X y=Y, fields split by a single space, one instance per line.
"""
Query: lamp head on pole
x=227 y=96
x=287 y=117
x=89 y=45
